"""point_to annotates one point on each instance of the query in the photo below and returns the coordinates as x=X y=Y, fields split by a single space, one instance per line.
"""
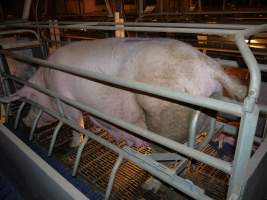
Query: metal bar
x=59 y=106
x=110 y=13
x=165 y=156
x=222 y=165
x=210 y=133
x=218 y=12
x=226 y=107
x=7 y=112
x=54 y=137
x=78 y=156
x=161 y=24
x=35 y=124
x=254 y=30
x=193 y=128
x=139 y=159
x=20 y=31
x=26 y=9
x=19 y=114
x=166 y=174
x=232 y=63
x=243 y=152
x=255 y=76
x=221 y=32
x=112 y=176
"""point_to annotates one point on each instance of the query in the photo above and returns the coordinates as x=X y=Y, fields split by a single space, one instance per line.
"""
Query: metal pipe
x=221 y=32
x=193 y=128
x=60 y=106
x=255 y=76
x=7 y=112
x=141 y=8
x=139 y=159
x=254 y=30
x=79 y=154
x=243 y=152
x=19 y=114
x=110 y=13
x=54 y=137
x=226 y=107
x=20 y=31
x=161 y=24
x=35 y=124
x=222 y=165
x=210 y=133
x=112 y=176
x=26 y=9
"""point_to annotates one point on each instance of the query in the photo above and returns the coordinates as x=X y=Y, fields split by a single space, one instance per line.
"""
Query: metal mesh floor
x=97 y=162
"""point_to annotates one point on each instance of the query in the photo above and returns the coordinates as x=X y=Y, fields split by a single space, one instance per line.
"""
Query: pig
x=157 y=61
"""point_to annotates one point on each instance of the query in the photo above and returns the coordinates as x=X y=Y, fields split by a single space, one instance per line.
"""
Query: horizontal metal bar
x=219 y=12
x=139 y=159
x=139 y=29
x=232 y=63
x=254 y=30
x=222 y=165
x=214 y=104
x=157 y=24
x=148 y=24
x=20 y=31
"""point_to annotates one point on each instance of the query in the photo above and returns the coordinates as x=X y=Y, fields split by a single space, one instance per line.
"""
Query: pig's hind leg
x=77 y=117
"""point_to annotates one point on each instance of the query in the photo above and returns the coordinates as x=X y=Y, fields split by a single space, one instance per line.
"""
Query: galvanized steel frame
x=248 y=111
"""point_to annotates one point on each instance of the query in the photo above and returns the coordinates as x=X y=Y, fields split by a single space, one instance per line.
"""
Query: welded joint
x=79 y=154
x=112 y=176
x=54 y=137
x=249 y=104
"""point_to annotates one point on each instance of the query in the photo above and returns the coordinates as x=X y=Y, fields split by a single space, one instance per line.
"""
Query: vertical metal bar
x=19 y=114
x=110 y=13
x=7 y=111
x=26 y=9
x=199 y=5
x=60 y=106
x=79 y=154
x=161 y=5
x=243 y=152
x=210 y=133
x=193 y=128
x=141 y=8
x=252 y=64
x=112 y=176
x=54 y=137
x=35 y=124
x=211 y=129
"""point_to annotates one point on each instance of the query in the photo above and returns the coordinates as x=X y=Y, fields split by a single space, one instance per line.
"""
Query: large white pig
x=161 y=62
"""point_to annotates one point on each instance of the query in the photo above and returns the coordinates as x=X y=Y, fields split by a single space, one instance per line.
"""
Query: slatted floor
x=97 y=162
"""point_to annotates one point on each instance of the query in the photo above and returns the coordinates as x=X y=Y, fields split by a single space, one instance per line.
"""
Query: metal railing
x=248 y=111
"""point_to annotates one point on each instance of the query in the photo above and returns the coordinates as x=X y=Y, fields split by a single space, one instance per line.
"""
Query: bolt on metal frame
x=248 y=111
